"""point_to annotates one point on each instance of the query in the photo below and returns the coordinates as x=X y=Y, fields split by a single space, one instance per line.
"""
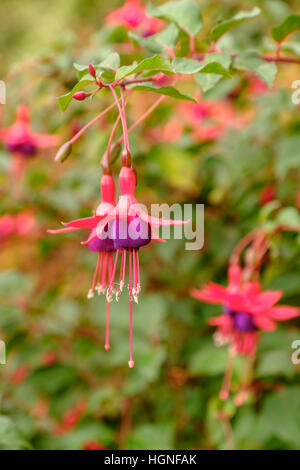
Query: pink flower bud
x=92 y=71
x=80 y=95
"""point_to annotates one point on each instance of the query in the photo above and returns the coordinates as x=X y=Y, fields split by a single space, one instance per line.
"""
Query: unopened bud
x=63 y=152
x=80 y=95
x=92 y=71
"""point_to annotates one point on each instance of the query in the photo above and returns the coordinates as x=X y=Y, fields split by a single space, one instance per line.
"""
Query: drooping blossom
x=22 y=141
x=132 y=15
x=247 y=310
x=104 y=247
x=125 y=228
x=131 y=228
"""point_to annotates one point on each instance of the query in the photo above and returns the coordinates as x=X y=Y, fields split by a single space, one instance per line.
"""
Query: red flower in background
x=267 y=194
x=20 y=139
x=132 y=15
x=247 y=310
x=20 y=224
x=93 y=445
x=22 y=142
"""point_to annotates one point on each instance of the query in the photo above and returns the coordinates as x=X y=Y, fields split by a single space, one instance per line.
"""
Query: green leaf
x=158 y=43
x=190 y=66
x=112 y=61
x=65 y=100
x=208 y=360
x=266 y=71
x=281 y=413
x=10 y=437
x=150 y=44
x=288 y=26
x=164 y=90
x=293 y=47
x=288 y=216
x=223 y=27
x=275 y=363
x=152 y=436
x=288 y=155
x=185 y=13
x=209 y=80
x=155 y=63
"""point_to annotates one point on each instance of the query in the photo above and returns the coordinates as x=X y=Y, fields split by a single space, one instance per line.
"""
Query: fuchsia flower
x=247 y=310
x=132 y=15
x=120 y=228
x=21 y=140
x=209 y=120
x=20 y=224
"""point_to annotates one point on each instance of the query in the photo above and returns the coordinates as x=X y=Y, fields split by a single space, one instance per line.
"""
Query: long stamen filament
x=91 y=291
x=131 y=361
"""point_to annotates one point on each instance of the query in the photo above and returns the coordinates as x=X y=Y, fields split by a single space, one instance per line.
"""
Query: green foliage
x=222 y=27
x=287 y=27
x=185 y=13
x=59 y=388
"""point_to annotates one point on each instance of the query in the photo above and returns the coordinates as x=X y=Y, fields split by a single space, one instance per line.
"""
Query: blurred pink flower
x=20 y=224
x=20 y=139
x=247 y=310
x=132 y=15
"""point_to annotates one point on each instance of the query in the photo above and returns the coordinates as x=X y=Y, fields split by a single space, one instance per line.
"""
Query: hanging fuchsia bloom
x=247 y=310
x=129 y=228
x=104 y=247
x=132 y=15
x=20 y=139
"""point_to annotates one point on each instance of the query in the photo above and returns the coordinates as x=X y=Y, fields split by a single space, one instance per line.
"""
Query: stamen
x=124 y=272
x=121 y=283
x=91 y=291
x=131 y=361
x=101 y=286
x=112 y=274
x=107 y=345
x=138 y=272
x=134 y=290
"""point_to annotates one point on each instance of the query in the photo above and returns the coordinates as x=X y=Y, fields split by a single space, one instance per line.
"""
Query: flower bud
x=80 y=95
x=63 y=152
x=92 y=71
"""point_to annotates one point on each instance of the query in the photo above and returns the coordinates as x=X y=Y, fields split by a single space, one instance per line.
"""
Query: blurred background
x=59 y=388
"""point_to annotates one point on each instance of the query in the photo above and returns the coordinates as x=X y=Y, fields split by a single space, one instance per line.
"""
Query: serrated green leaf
x=165 y=90
x=65 y=100
x=266 y=71
x=158 y=43
x=112 y=61
x=185 y=13
x=208 y=80
x=155 y=63
x=190 y=66
x=288 y=26
x=223 y=27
